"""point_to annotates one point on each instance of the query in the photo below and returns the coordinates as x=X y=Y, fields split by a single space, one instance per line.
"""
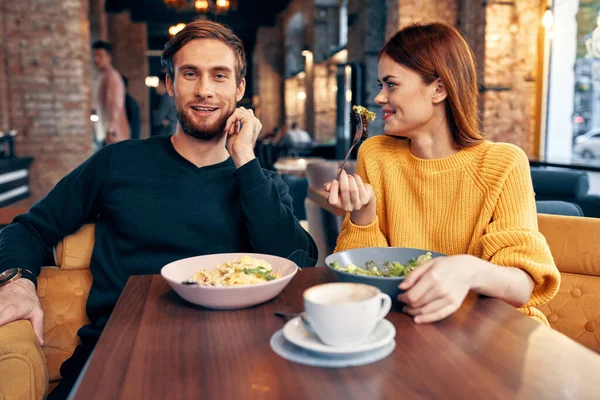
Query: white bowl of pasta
x=229 y=281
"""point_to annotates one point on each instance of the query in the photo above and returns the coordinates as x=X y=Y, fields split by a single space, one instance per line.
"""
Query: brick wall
x=427 y=10
x=45 y=46
x=4 y=113
x=510 y=73
x=130 y=44
x=98 y=21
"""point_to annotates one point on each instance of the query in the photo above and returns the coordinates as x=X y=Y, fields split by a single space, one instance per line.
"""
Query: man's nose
x=204 y=88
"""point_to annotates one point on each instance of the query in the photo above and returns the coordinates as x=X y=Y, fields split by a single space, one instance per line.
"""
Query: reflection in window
x=573 y=114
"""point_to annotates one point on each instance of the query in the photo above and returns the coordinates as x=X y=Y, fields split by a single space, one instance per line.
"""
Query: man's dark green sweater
x=151 y=206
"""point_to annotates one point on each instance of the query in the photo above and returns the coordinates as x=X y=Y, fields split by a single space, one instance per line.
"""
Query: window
x=573 y=83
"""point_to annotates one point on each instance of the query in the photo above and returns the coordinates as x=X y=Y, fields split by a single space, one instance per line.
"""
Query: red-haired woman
x=433 y=182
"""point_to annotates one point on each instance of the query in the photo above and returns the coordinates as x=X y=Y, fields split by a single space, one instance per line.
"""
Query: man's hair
x=162 y=78
x=204 y=29
x=99 y=44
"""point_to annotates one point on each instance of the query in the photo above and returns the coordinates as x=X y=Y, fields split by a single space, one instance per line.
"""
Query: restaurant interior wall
x=98 y=21
x=366 y=36
x=45 y=86
x=295 y=101
x=130 y=45
x=511 y=73
x=325 y=102
x=504 y=37
x=297 y=23
x=268 y=76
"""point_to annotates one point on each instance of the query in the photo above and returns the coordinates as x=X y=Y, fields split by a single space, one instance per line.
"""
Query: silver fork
x=361 y=133
x=289 y=316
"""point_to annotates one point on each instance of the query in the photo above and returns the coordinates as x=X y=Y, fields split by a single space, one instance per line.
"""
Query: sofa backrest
x=63 y=292
x=558 y=207
x=75 y=251
x=575 y=310
x=559 y=184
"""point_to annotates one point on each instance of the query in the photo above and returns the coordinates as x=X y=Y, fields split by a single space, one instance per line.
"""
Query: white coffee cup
x=344 y=314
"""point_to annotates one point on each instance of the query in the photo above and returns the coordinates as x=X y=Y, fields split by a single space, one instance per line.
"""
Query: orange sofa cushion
x=23 y=373
x=575 y=246
x=75 y=251
x=26 y=370
x=575 y=311
x=63 y=294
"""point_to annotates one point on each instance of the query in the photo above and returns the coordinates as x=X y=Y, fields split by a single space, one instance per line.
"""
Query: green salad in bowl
x=382 y=267
x=387 y=268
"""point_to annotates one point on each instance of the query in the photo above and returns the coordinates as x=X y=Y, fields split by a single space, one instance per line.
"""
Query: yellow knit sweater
x=479 y=201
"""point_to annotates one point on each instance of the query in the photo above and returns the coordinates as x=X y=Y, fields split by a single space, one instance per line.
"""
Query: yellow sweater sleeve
x=512 y=238
x=354 y=236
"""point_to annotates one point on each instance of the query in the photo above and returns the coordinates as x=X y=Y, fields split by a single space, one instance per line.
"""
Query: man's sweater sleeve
x=271 y=225
x=74 y=201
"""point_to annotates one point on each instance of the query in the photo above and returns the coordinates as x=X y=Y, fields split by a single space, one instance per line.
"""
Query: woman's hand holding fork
x=351 y=194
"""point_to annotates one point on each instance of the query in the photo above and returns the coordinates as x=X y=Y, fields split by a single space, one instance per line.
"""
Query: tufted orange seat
x=63 y=292
x=575 y=311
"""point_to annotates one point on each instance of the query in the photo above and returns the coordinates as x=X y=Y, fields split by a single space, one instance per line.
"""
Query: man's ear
x=240 y=90
x=169 y=84
x=439 y=91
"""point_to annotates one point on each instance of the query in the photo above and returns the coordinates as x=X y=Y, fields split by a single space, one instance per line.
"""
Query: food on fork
x=244 y=271
x=369 y=116
x=361 y=116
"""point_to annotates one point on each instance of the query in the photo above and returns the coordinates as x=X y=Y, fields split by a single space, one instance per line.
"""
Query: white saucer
x=291 y=352
x=295 y=333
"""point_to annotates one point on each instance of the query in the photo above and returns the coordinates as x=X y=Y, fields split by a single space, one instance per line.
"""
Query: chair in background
x=323 y=226
x=565 y=185
x=558 y=207
x=298 y=190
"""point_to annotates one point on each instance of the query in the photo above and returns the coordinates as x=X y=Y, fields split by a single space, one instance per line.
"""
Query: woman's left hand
x=437 y=288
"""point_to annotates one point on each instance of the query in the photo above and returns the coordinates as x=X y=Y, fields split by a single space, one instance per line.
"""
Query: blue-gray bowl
x=359 y=257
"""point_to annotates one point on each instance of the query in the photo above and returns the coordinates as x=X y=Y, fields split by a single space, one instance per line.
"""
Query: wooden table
x=156 y=346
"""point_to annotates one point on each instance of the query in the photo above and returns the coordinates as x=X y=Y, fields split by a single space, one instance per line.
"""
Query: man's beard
x=208 y=133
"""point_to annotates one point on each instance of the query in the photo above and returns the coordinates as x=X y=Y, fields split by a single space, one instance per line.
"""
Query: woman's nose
x=381 y=99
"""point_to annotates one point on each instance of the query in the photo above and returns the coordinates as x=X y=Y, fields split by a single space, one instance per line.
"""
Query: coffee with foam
x=340 y=293
x=343 y=314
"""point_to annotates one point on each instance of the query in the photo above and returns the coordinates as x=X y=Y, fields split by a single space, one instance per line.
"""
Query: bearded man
x=200 y=191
